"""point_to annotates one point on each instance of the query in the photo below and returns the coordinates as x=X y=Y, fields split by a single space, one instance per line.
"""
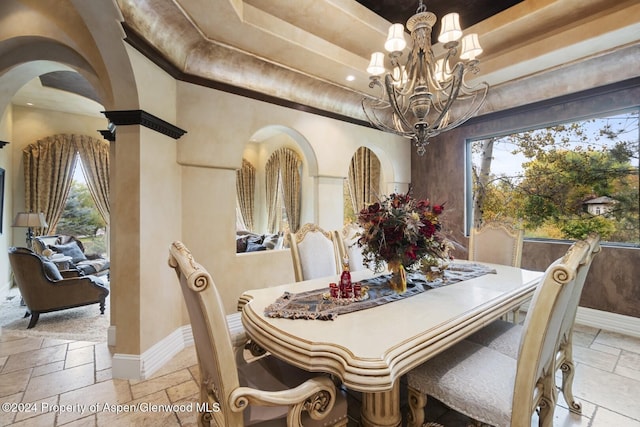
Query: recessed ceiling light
x=30 y=104
x=350 y=78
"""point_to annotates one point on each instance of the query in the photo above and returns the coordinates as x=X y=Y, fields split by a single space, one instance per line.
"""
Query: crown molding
x=142 y=118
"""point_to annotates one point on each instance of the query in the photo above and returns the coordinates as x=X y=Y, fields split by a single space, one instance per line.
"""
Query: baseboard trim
x=140 y=367
x=613 y=322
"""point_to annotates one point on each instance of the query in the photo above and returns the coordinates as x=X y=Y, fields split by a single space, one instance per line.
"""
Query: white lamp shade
x=450 y=28
x=29 y=219
x=376 y=66
x=470 y=47
x=395 y=41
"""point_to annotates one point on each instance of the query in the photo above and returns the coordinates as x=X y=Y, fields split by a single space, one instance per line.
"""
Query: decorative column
x=382 y=409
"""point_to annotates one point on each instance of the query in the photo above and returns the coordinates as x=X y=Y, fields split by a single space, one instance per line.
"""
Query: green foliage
x=566 y=166
x=579 y=228
x=80 y=216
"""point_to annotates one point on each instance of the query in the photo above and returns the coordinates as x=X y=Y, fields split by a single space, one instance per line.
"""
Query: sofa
x=247 y=241
x=88 y=264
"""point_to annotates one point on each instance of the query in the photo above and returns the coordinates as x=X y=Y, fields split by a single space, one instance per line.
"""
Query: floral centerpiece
x=401 y=232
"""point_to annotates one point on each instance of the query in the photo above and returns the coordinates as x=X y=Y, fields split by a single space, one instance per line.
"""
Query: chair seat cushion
x=500 y=336
x=472 y=379
x=270 y=373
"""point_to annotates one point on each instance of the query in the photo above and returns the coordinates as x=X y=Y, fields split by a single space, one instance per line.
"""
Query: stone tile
x=79 y=356
x=48 y=368
x=629 y=372
x=79 y=344
x=89 y=421
x=6 y=417
x=597 y=359
x=137 y=416
x=3 y=360
x=195 y=372
x=36 y=408
x=606 y=418
x=584 y=335
x=611 y=391
x=103 y=356
x=33 y=358
x=161 y=383
x=46 y=419
x=182 y=391
x=19 y=346
x=60 y=382
x=605 y=349
x=188 y=418
x=86 y=400
x=14 y=382
x=103 y=375
x=614 y=339
x=52 y=342
x=184 y=359
x=562 y=417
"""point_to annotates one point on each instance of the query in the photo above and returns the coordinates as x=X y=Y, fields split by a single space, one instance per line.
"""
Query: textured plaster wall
x=7 y=232
x=220 y=125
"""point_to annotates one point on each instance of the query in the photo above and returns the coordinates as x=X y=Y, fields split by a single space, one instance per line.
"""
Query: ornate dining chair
x=314 y=253
x=505 y=337
x=264 y=392
x=347 y=240
x=498 y=243
x=496 y=389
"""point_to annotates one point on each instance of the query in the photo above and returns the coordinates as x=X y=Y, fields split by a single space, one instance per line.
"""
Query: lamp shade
x=376 y=66
x=470 y=47
x=29 y=219
x=395 y=40
x=450 y=31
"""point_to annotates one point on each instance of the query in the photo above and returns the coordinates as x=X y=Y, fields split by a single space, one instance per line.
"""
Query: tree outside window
x=545 y=178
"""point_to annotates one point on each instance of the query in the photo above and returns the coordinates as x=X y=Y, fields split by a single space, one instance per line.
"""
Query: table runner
x=312 y=304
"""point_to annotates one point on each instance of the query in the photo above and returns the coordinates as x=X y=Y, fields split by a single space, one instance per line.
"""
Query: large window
x=562 y=181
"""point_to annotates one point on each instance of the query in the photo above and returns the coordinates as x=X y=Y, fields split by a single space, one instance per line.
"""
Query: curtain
x=283 y=171
x=48 y=172
x=291 y=184
x=245 y=189
x=364 y=178
x=272 y=178
x=94 y=154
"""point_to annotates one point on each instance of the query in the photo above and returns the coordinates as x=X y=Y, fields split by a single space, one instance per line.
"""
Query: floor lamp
x=29 y=220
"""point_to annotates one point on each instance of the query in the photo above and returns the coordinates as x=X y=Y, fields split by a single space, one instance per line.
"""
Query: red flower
x=437 y=209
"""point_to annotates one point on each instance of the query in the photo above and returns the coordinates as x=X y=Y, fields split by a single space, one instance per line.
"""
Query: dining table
x=370 y=349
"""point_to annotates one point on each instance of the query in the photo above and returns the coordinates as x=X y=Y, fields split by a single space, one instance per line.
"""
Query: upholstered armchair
x=314 y=253
x=497 y=389
x=264 y=392
x=44 y=289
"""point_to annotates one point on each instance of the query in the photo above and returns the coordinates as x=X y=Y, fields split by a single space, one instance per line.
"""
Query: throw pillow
x=70 y=249
x=51 y=271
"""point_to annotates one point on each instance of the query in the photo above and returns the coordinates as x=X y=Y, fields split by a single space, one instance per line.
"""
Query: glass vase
x=398 y=281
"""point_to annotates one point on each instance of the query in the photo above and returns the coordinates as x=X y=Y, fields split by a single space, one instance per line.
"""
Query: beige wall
x=221 y=128
x=6 y=237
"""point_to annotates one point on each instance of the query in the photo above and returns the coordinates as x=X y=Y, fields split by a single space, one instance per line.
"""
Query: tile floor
x=58 y=382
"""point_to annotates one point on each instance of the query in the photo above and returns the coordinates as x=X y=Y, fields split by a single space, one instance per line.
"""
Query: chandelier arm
x=375 y=120
x=458 y=70
x=471 y=111
x=393 y=100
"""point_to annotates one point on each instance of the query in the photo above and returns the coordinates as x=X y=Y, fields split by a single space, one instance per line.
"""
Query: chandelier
x=424 y=97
